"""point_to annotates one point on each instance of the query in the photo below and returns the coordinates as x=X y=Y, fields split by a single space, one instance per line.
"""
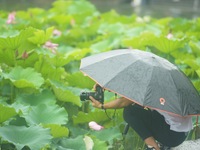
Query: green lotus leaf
x=195 y=46
x=45 y=97
x=109 y=43
x=76 y=35
x=111 y=16
x=139 y=42
x=198 y=72
x=65 y=93
x=6 y=113
x=22 y=39
x=108 y=134
x=180 y=24
x=194 y=64
x=18 y=121
x=36 y=11
x=81 y=142
x=99 y=144
x=8 y=33
x=28 y=61
x=73 y=7
x=182 y=55
x=156 y=29
x=72 y=143
x=96 y=116
x=41 y=36
x=164 y=21
x=35 y=137
x=65 y=57
x=80 y=7
x=76 y=54
x=57 y=131
x=167 y=45
x=62 y=19
x=20 y=108
x=197 y=83
x=79 y=80
x=25 y=78
x=48 y=69
x=46 y=114
x=85 y=143
x=112 y=28
x=14 y=47
x=193 y=35
x=134 y=32
x=143 y=28
x=18 y=42
x=7 y=57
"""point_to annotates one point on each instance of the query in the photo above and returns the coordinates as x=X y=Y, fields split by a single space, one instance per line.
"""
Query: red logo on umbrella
x=162 y=101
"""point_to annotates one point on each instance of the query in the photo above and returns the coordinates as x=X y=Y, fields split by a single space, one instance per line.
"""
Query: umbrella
x=145 y=78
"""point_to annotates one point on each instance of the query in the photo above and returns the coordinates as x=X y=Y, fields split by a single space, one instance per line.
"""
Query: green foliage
x=73 y=143
x=6 y=113
x=40 y=36
x=23 y=136
x=40 y=53
x=24 y=78
x=46 y=115
x=57 y=131
x=92 y=116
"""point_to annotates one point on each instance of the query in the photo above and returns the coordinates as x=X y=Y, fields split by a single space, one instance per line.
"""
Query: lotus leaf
x=26 y=136
x=6 y=113
x=23 y=78
x=46 y=114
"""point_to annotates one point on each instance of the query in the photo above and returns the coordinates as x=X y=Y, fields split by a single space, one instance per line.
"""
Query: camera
x=98 y=94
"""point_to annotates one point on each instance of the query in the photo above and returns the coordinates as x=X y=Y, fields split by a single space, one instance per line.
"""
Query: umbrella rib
x=175 y=86
x=145 y=95
x=100 y=60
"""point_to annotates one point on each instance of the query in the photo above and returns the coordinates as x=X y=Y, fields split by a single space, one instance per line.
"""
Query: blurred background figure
x=163 y=8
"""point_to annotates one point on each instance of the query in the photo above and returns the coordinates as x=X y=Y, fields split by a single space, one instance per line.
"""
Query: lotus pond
x=40 y=53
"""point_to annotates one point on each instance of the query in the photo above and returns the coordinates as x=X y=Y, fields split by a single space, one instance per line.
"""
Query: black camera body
x=98 y=94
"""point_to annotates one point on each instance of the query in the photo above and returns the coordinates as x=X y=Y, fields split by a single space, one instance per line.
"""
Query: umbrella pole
x=125 y=130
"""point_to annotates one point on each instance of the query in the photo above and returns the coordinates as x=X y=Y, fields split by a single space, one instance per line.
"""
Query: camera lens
x=84 y=96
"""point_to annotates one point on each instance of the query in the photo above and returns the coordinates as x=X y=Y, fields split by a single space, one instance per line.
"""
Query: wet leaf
x=46 y=114
x=65 y=93
x=57 y=131
x=23 y=78
x=6 y=113
x=22 y=136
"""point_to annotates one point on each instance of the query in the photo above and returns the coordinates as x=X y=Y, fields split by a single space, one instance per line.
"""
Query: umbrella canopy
x=144 y=78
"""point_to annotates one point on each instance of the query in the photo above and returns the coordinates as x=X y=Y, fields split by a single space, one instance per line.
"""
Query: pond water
x=154 y=8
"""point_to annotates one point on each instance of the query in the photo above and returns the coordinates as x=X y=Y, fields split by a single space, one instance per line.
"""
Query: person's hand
x=94 y=87
x=95 y=103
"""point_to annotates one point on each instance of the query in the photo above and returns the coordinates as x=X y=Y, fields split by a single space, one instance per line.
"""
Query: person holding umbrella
x=150 y=125
x=157 y=97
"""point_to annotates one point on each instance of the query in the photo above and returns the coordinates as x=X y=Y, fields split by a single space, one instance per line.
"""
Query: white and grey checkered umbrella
x=144 y=78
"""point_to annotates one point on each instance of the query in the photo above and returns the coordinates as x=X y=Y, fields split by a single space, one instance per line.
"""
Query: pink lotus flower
x=56 y=32
x=170 y=36
x=25 y=55
x=11 y=18
x=93 y=125
x=51 y=46
x=72 y=22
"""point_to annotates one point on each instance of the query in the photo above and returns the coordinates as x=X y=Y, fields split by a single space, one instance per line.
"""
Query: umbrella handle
x=197 y=120
x=126 y=129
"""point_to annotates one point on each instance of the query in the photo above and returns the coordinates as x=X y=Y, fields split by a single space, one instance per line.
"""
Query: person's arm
x=117 y=103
